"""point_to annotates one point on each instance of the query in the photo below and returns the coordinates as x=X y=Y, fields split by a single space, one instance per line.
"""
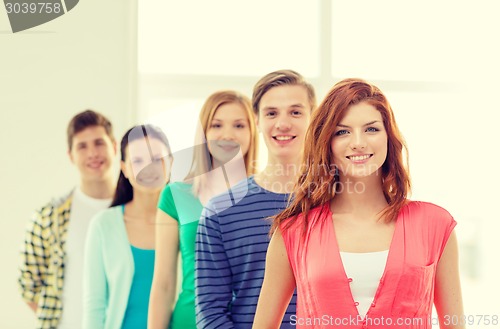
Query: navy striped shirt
x=231 y=246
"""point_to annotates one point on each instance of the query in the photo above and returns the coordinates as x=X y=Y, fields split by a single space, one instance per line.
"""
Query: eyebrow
x=299 y=105
x=241 y=119
x=366 y=124
x=98 y=139
x=154 y=155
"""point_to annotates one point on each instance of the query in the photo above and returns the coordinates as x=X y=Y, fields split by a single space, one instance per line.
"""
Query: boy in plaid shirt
x=50 y=272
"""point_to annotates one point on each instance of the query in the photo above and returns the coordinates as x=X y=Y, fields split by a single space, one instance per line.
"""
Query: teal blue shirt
x=136 y=315
x=109 y=271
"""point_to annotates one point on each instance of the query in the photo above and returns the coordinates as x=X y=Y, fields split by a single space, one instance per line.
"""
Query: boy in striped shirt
x=232 y=236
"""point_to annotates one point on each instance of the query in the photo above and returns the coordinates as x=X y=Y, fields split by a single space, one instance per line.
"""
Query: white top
x=83 y=208
x=365 y=270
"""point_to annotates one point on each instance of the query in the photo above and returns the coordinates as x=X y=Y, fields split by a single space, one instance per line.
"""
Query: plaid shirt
x=42 y=267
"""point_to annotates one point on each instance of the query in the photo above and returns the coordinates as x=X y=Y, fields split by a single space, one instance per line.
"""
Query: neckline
x=262 y=188
x=78 y=194
x=389 y=259
x=374 y=253
x=141 y=249
x=121 y=209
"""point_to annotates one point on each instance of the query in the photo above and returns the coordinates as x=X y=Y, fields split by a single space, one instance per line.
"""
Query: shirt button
x=349 y=279
x=356 y=303
x=373 y=304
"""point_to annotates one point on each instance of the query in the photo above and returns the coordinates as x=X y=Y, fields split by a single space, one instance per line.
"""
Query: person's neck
x=103 y=189
x=143 y=205
x=233 y=171
x=279 y=175
x=363 y=198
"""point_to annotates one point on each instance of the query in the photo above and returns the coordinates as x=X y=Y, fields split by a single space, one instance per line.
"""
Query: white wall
x=87 y=59
x=437 y=62
x=84 y=59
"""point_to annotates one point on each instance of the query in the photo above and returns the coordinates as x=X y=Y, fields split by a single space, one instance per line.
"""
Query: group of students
x=323 y=237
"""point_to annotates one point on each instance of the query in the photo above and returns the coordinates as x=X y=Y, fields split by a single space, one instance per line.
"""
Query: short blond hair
x=281 y=78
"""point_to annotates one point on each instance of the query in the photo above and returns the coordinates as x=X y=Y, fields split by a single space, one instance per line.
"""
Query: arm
x=34 y=263
x=164 y=285
x=447 y=294
x=278 y=286
x=95 y=288
x=213 y=277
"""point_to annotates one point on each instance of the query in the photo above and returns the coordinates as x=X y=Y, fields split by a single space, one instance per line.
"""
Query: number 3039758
x=472 y=320
x=33 y=8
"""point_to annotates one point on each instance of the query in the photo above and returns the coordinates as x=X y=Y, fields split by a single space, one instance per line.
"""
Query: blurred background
x=156 y=61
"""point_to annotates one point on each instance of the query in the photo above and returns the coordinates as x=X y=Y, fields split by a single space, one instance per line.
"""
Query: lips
x=95 y=164
x=359 y=157
x=228 y=146
x=283 y=139
x=148 y=180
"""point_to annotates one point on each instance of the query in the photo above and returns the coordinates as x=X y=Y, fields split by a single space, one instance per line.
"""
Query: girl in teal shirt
x=119 y=251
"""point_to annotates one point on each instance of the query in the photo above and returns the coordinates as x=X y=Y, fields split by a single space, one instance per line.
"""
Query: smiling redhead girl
x=360 y=254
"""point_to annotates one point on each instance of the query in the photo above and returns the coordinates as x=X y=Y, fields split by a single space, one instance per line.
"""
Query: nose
x=358 y=141
x=92 y=151
x=283 y=123
x=228 y=133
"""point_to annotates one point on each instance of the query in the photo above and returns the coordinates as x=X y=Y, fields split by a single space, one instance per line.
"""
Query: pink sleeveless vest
x=405 y=295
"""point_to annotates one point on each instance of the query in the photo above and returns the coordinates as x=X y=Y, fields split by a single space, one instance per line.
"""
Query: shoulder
x=428 y=210
x=60 y=205
x=248 y=197
x=108 y=218
x=427 y=215
x=167 y=190
x=293 y=227
x=428 y=225
x=229 y=198
x=177 y=188
x=63 y=200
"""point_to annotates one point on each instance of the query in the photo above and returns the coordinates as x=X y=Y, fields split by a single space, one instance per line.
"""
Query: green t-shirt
x=178 y=201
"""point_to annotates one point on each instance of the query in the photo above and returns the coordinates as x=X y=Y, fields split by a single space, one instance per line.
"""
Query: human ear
x=124 y=169
x=256 y=117
x=70 y=156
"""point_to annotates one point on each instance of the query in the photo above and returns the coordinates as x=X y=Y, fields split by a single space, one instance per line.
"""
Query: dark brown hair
x=124 y=192
x=85 y=119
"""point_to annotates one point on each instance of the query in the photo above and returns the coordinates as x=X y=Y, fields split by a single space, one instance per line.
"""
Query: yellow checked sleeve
x=34 y=257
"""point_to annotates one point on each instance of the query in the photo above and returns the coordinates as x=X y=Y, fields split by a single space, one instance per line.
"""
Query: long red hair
x=317 y=181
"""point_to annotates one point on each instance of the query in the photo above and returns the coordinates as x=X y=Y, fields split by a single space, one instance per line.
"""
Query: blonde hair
x=281 y=78
x=202 y=159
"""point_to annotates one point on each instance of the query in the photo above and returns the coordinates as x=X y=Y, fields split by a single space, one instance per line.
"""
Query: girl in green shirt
x=225 y=153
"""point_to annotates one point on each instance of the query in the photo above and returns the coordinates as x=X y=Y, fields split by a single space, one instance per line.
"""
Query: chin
x=363 y=175
x=286 y=152
x=225 y=159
